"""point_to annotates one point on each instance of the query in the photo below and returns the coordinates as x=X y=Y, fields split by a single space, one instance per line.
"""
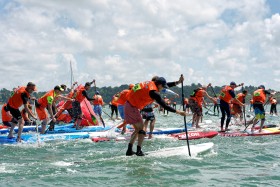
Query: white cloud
x=121 y=42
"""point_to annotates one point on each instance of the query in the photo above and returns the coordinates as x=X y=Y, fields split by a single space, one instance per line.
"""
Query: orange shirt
x=259 y=96
x=123 y=97
x=139 y=95
x=225 y=96
x=46 y=99
x=198 y=96
x=15 y=100
x=79 y=94
x=115 y=100
x=98 y=100
x=240 y=97
x=5 y=116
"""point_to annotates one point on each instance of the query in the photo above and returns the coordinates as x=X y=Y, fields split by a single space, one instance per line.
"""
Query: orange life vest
x=240 y=97
x=98 y=100
x=259 y=96
x=15 y=100
x=123 y=97
x=5 y=116
x=139 y=95
x=43 y=101
x=251 y=101
x=198 y=95
x=79 y=95
x=114 y=101
x=224 y=95
x=273 y=101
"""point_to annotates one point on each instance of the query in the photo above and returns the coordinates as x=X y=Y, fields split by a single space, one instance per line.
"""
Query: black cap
x=58 y=88
x=232 y=83
x=97 y=93
x=88 y=84
x=162 y=81
x=261 y=87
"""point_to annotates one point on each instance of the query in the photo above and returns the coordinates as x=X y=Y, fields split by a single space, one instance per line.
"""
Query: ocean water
x=234 y=161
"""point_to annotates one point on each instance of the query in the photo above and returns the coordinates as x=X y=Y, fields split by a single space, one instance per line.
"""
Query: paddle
x=185 y=123
x=244 y=108
x=103 y=123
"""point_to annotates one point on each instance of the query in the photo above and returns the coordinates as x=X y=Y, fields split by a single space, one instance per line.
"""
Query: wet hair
x=155 y=78
x=244 y=91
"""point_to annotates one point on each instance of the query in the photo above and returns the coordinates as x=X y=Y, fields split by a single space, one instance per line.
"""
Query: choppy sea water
x=234 y=161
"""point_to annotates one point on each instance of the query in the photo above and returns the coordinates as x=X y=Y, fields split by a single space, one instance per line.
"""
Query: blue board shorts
x=121 y=111
x=259 y=111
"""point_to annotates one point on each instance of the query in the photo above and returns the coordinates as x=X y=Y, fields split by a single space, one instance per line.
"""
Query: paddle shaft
x=185 y=123
x=244 y=112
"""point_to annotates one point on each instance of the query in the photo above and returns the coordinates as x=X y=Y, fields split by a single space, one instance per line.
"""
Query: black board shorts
x=15 y=113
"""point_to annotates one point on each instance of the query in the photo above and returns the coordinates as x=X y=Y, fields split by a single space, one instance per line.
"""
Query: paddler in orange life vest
x=236 y=107
x=98 y=103
x=26 y=117
x=47 y=102
x=114 y=105
x=20 y=97
x=121 y=101
x=195 y=101
x=79 y=96
x=6 y=116
x=259 y=97
x=273 y=104
x=142 y=94
x=226 y=95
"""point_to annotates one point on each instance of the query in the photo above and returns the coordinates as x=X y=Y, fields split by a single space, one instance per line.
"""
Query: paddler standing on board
x=47 y=102
x=97 y=103
x=79 y=95
x=20 y=97
x=259 y=97
x=236 y=107
x=196 y=100
x=226 y=95
x=142 y=94
x=121 y=101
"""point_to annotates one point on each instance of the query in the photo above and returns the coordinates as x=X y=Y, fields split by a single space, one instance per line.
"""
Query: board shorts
x=76 y=111
x=195 y=108
x=98 y=109
x=132 y=114
x=41 y=113
x=15 y=113
x=259 y=111
x=149 y=116
x=236 y=109
x=121 y=110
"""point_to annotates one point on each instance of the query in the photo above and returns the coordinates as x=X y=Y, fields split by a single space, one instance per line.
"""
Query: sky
x=130 y=41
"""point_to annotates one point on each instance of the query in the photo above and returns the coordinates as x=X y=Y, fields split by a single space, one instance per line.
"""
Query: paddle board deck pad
x=181 y=151
x=193 y=135
x=74 y=130
x=265 y=132
x=32 y=128
x=33 y=138
x=157 y=131
x=167 y=130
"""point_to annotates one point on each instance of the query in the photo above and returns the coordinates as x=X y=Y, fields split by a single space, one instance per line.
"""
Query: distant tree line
x=108 y=92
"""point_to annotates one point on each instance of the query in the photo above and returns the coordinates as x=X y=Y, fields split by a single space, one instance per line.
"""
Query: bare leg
x=152 y=126
x=11 y=130
x=44 y=125
x=20 y=127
